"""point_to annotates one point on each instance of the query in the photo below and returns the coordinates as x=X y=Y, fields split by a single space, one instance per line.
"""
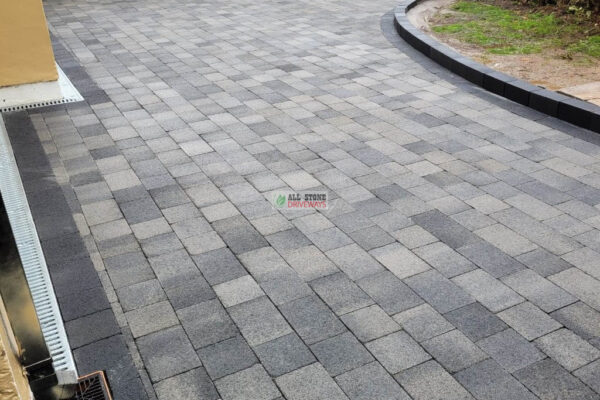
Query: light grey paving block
x=312 y=320
x=454 y=350
x=538 y=290
x=511 y=350
x=506 y=240
x=294 y=384
x=399 y=260
x=259 y=321
x=389 y=292
x=529 y=321
x=310 y=263
x=191 y=385
x=548 y=380
x=152 y=318
x=238 y=290
x=581 y=319
x=423 y=322
x=370 y=323
x=429 y=381
x=288 y=240
x=329 y=239
x=167 y=353
x=341 y=353
x=251 y=383
x=445 y=260
x=397 y=352
x=371 y=237
x=490 y=258
x=590 y=375
x=354 y=261
x=437 y=290
x=173 y=268
x=340 y=293
x=487 y=380
x=227 y=357
x=207 y=323
x=284 y=354
x=140 y=294
x=370 y=382
x=567 y=349
x=487 y=290
x=414 y=236
x=475 y=321
x=582 y=286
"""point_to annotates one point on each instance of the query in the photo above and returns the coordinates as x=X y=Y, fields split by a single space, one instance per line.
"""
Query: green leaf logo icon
x=280 y=201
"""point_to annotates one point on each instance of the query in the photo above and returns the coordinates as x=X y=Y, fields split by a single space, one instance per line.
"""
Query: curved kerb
x=577 y=112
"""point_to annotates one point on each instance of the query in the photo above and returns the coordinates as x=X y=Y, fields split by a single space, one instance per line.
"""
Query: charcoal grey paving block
x=284 y=354
x=488 y=290
x=511 y=350
x=423 y=322
x=454 y=350
x=79 y=302
x=312 y=320
x=341 y=353
x=429 y=381
x=445 y=229
x=580 y=318
x=112 y=356
x=543 y=262
x=475 y=321
x=227 y=357
x=389 y=292
x=259 y=321
x=151 y=318
x=370 y=382
x=490 y=258
x=207 y=323
x=290 y=239
x=371 y=237
x=128 y=269
x=174 y=268
x=487 y=380
x=167 y=353
x=540 y=291
x=93 y=327
x=590 y=375
x=239 y=235
x=251 y=383
x=567 y=349
x=189 y=293
x=140 y=294
x=397 y=352
x=219 y=266
x=441 y=293
x=340 y=293
x=191 y=385
x=529 y=321
x=549 y=381
x=309 y=383
x=370 y=323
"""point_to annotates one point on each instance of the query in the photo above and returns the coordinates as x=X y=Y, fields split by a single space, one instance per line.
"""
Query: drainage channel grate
x=93 y=387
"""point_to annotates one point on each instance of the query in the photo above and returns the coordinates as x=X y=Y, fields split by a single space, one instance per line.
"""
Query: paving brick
x=441 y=293
x=340 y=293
x=543 y=262
x=510 y=350
x=445 y=229
x=423 y=322
x=341 y=353
x=140 y=295
x=399 y=260
x=567 y=349
x=389 y=292
x=445 y=260
x=582 y=286
x=506 y=240
x=370 y=323
x=312 y=319
x=529 y=321
x=284 y=354
x=538 y=290
x=430 y=381
x=354 y=261
x=310 y=263
x=475 y=321
x=259 y=321
x=487 y=290
x=490 y=258
x=219 y=266
x=238 y=291
x=206 y=323
x=370 y=382
x=590 y=375
x=580 y=318
x=397 y=352
x=323 y=386
x=152 y=318
x=251 y=383
x=454 y=350
x=194 y=384
x=227 y=357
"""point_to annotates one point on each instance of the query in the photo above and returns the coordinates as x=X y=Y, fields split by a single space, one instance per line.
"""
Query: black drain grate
x=93 y=387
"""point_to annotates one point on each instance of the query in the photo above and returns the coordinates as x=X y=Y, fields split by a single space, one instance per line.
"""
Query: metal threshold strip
x=34 y=264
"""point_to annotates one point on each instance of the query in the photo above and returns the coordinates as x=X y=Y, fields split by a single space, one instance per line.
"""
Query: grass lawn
x=516 y=29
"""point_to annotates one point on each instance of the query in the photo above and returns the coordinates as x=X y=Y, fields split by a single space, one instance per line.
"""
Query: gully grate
x=93 y=387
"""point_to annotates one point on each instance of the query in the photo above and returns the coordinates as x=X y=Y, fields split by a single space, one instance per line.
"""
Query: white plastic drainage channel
x=34 y=264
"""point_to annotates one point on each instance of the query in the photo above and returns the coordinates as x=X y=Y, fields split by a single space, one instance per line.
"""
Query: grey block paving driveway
x=460 y=255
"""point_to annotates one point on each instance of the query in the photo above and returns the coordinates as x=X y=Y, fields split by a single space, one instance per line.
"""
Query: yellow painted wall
x=25 y=51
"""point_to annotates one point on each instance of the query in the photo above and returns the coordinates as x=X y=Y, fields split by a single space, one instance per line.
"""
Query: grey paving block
x=310 y=263
x=445 y=229
x=227 y=357
x=511 y=350
x=370 y=323
x=287 y=240
x=543 y=262
x=529 y=321
x=250 y=383
x=312 y=320
x=454 y=350
x=340 y=293
x=581 y=285
x=238 y=291
x=173 y=268
x=284 y=354
x=487 y=380
x=441 y=293
x=538 y=290
x=294 y=387
x=429 y=381
x=487 y=290
x=423 y=322
x=167 y=353
x=219 y=266
x=128 y=269
x=239 y=235
x=189 y=293
x=90 y=328
x=259 y=321
x=329 y=239
x=370 y=382
x=397 y=352
x=207 y=323
x=548 y=380
x=475 y=321
x=354 y=261
x=580 y=318
x=371 y=237
x=389 y=292
x=590 y=375
x=445 y=260
x=399 y=260
x=341 y=353
x=151 y=318
x=567 y=349
x=141 y=294
x=490 y=258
